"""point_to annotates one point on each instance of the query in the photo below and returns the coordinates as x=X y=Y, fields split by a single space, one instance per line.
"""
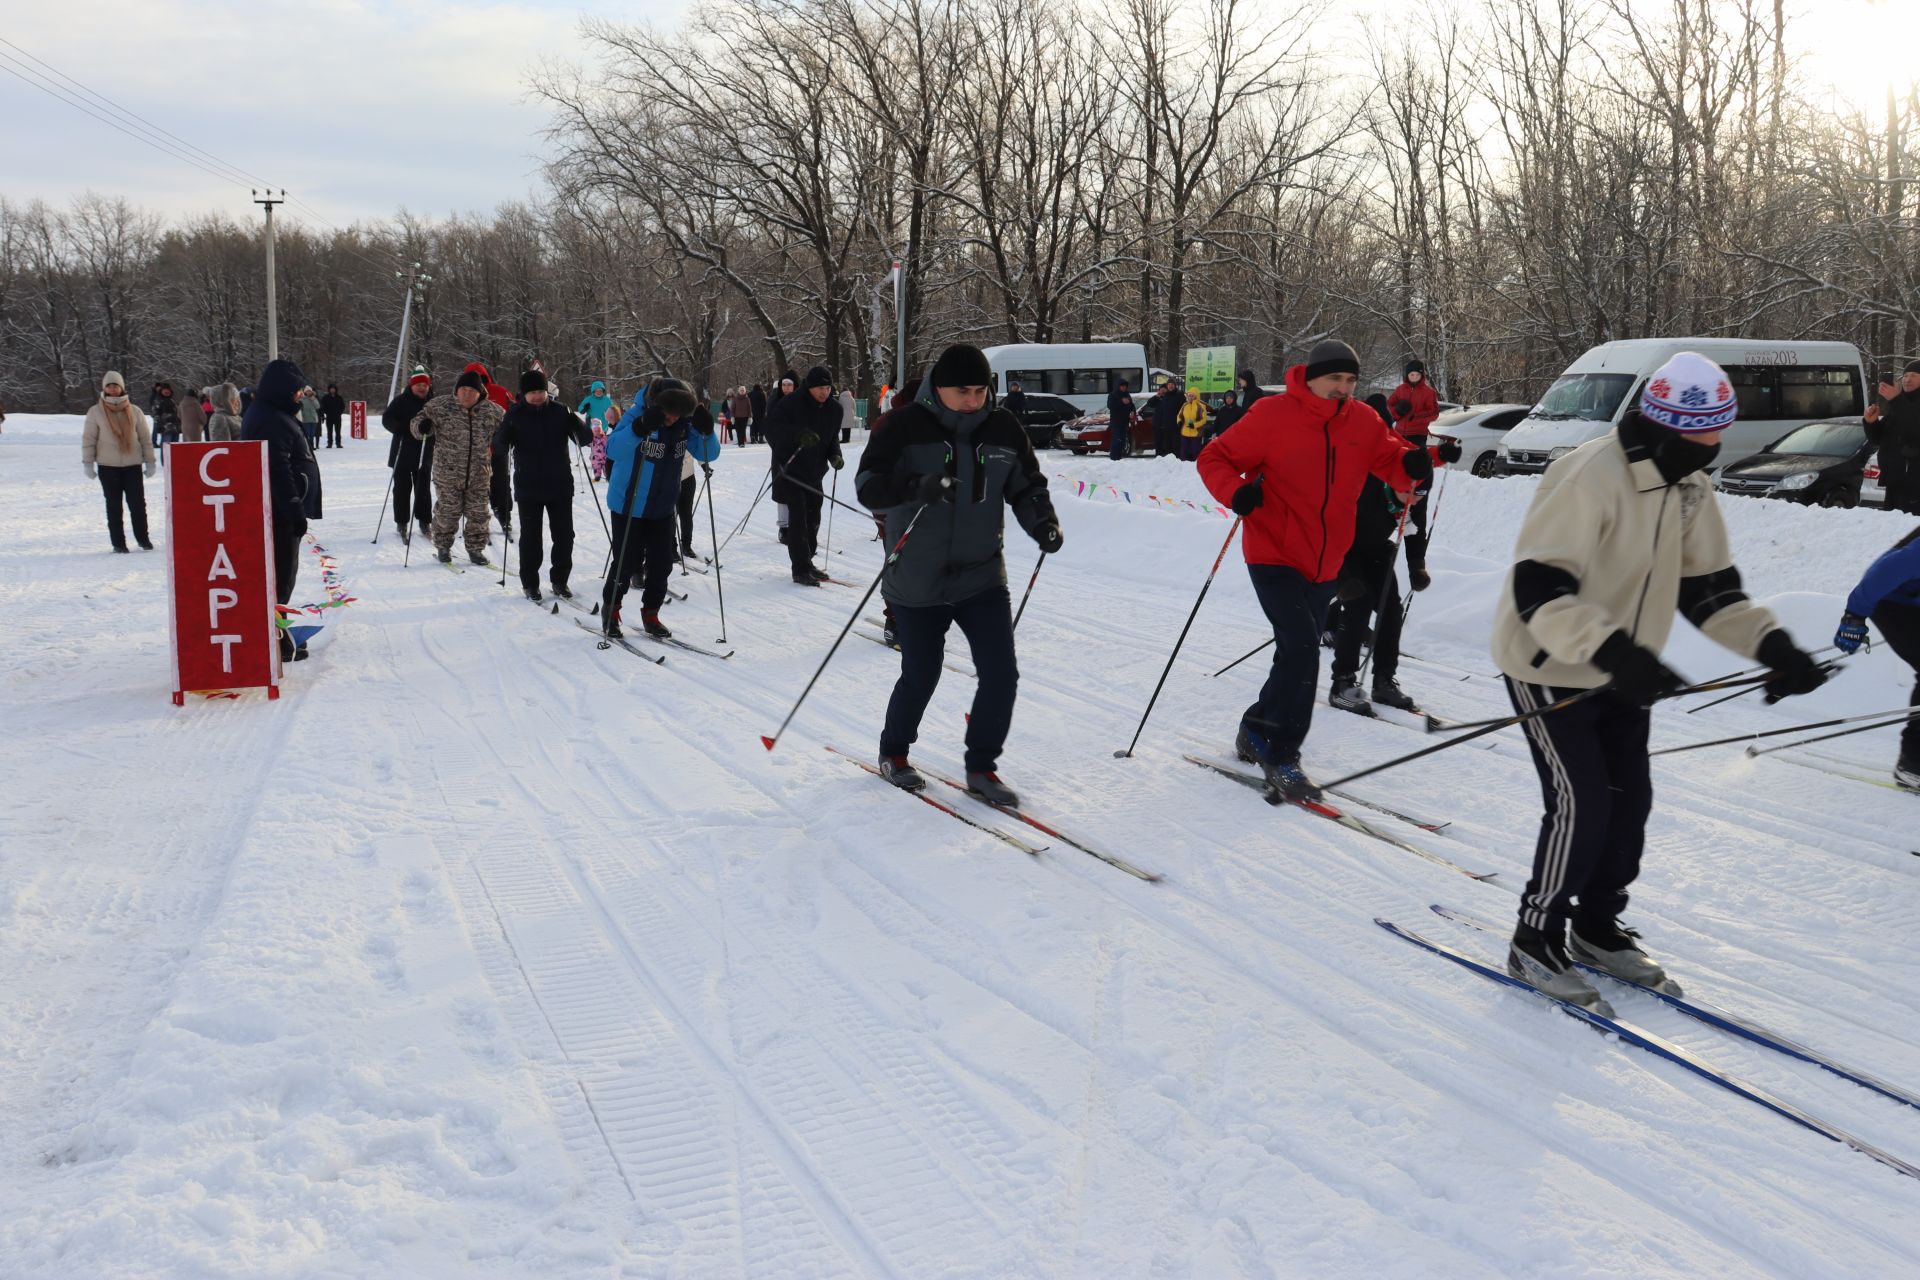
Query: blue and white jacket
x=1892 y=579
x=644 y=456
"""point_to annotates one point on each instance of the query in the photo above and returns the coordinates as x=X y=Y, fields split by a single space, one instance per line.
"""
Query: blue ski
x=1661 y=1048
x=1724 y=1021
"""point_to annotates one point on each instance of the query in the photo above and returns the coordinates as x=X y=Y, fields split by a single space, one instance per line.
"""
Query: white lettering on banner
x=222 y=567
x=226 y=644
x=219 y=598
x=218 y=501
x=208 y=480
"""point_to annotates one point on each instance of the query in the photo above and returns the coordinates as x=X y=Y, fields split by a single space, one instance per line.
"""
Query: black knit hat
x=1913 y=366
x=472 y=378
x=818 y=376
x=962 y=365
x=532 y=380
x=1332 y=356
x=1415 y=366
x=670 y=395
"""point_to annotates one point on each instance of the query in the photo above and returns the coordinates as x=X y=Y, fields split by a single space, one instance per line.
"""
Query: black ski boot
x=654 y=627
x=444 y=555
x=563 y=591
x=610 y=627
x=896 y=770
x=1345 y=695
x=479 y=558
x=803 y=579
x=988 y=787
x=819 y=575
x=1288 y=781
x=426 y=531
x=1389 y=694
x=1906 y=774
x=533 y=594
x=1605 y=944
x=1540 y=960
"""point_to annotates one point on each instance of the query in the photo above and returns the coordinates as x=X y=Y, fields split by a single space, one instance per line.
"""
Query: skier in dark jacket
x=1894 y=429
x=410 y=459
x=293 y=475
x=541 y=436
x=1119 y=421
x=947 y=466
x=645 y=455
x=804 y=430
x=1889 y=593
x=1165 y=407
x=332 y=406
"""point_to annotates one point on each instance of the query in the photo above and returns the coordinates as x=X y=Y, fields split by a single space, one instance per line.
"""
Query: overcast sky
x=361 y=107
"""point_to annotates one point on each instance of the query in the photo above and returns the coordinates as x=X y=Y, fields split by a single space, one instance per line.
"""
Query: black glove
x=1638 y=675
x=837 y=461
x=807 y=440
x=1449 y=451
x=1418 y=465
x=930 y=489
x=1249 y=497
x=1049 y=537
x=1794 y=670
x=1350 y=590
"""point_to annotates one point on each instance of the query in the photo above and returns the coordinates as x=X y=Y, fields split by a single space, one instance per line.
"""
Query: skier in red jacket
x=1414 y=405
x=1292 y=469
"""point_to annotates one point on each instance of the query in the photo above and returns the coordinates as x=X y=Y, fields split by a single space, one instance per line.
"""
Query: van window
x=1592 y=397
x=1053 y=382
x=1818 y=391
x=1090 y=382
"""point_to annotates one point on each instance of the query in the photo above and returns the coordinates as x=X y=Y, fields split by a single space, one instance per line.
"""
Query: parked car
x=1480 y=429
x=1042 y=416
x=1091 y=434
x=1821 y=463
x=1872 y=492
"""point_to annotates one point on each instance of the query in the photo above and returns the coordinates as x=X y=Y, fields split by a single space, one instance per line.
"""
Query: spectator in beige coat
x=116 y=448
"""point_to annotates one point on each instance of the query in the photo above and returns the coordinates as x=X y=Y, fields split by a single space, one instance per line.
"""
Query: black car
x=1042 y=415
x=1821 y=462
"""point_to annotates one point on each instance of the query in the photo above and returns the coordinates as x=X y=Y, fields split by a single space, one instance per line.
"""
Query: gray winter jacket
x=955 y=551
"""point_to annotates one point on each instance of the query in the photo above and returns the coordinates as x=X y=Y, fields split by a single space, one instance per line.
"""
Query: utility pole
x=273 y=306
x=416 y=285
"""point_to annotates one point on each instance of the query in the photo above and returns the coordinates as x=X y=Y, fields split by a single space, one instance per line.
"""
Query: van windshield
x=1592 y=397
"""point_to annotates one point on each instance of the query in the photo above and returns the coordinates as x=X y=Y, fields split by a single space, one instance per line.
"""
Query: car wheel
x=1487 y=464
x=1836 y=497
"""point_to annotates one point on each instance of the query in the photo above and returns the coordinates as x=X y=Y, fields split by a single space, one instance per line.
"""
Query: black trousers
x=559 y=516
x=803 y=528
x=1598 y=788
x=689 y=490
x=648 y=542
x=1900 y=624
x=412 y=487
x=1377 y=577
x=125 y=485
x=1297 y=610
x=987 y=622
x=1904 y=497
x=500 y=492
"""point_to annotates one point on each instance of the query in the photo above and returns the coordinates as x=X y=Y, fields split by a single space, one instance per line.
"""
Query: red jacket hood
x=495 y=392
x=1316 y=455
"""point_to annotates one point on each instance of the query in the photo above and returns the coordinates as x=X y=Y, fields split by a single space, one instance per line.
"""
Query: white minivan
x=1780 y=386
x=1079 y=372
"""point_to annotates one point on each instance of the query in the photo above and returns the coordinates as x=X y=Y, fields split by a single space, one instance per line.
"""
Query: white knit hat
x=1688 y=394
x=112 y=378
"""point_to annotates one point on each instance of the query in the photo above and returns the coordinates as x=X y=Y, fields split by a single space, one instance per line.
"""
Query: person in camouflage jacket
x=462 y=427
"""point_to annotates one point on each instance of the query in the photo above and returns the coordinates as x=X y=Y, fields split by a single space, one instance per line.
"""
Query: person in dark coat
x=789 y=382
x=804 y=430
x=166 y=419
x=1247 y=389
x=332 y=407
x=410 y=459
x=1119 y=420
x=645 y=453
x=1229 y=412
x=1165 y=408
x=758 y=399
x=293 y=475
x=1894 y=429
x=947 y=466
x=1016 y=403
x=541 y=435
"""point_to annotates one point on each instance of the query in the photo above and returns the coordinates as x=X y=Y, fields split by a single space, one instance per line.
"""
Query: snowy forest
x=1494 y=188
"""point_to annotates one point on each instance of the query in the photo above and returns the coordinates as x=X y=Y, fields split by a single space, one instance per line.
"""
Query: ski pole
x=1028 y=593
x=713 y=531
x=506 y=549
x=1243 y=657
x=1740 y=693
x=1900 y=719
x=1898 y=716
x=753 y=506
x=824 y=496
x=1204 y=587
x=1386 y=591
x=1520 y=717
x=834 y=500
x=770 y=743
x=605 y=528
x=626 y=535
x=381 y=518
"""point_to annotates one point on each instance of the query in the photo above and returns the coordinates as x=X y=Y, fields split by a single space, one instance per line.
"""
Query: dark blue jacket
x=1892 y=579
x=292 y=470
x=542 y=442
x=644 y=457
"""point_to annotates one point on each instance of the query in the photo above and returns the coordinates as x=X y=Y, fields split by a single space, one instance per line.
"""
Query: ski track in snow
x=487 y=952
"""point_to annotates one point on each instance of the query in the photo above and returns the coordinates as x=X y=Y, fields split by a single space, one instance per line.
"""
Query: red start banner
x=220 y=584
x=357 y=429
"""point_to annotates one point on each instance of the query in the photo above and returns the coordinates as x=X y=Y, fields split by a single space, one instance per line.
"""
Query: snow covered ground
x=483 y=952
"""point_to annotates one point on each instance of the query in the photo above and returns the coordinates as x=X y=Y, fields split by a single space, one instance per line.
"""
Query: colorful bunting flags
x=1082 y=489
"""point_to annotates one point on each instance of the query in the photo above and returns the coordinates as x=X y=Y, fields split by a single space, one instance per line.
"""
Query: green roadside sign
x=1210 y=369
